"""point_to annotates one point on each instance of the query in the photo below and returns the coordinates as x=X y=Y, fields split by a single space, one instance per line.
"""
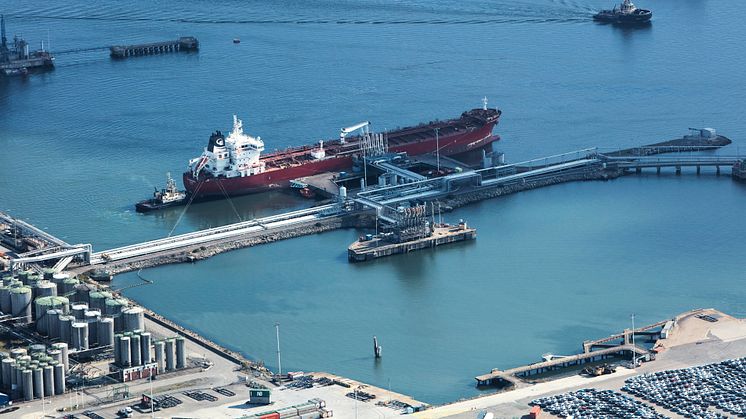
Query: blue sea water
x=550 y=268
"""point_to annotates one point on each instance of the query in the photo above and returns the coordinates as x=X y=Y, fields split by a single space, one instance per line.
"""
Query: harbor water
x=550 y=268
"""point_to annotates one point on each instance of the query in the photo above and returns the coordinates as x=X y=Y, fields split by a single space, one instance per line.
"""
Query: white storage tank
x=5 y=305
x=38 y=377
x=135 y=350
x=105 y=332
x=63 y=348
x=125 y=352
x=28 y=385
x=170 y=354
x=91 y=317
x=66 y=323
x=159 y=348
x=180 y=353
x=114 y=307
x=48 y=381
x=53 y=323
x=97 y=300
x=78 y=310
x=68 y=286
x=82 y=291
x=145 y=341
x=20 y=301
x=79 y=336
x=117 y=358
x=42 y=306
x=7 y=365
x=134 y=319
x=59 y=379
x=46 y=289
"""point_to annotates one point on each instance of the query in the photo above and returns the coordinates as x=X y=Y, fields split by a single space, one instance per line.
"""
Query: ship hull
x=216 y=187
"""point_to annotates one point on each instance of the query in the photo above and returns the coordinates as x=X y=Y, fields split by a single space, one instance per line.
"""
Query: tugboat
x=170 y=196
x=626 y=14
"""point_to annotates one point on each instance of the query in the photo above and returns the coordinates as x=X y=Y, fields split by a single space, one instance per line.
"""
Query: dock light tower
x=634 y=358
x=279 y=362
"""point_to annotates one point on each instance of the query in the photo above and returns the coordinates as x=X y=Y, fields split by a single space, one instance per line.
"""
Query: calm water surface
x=551 y=267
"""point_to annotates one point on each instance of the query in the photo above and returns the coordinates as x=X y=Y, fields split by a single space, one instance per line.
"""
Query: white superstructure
x=236 y=155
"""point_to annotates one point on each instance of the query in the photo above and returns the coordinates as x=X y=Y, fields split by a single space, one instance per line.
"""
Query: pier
x=397 y=188
x=184 y=43
x=591 y=353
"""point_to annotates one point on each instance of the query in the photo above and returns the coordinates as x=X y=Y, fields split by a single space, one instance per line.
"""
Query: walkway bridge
x=658 y=162
x=231 y=231
x=429 y=189
x=19 y=234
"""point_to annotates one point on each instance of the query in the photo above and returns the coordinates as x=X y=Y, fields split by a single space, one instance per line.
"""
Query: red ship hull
x=217 y=187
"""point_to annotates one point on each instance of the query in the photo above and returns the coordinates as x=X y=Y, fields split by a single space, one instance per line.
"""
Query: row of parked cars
x=696 y=392
x=594 y=404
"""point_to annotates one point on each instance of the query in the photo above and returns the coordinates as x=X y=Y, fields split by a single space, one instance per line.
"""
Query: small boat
x=23 y=71
x=170 y=196
x=307 y=192
x=626 y=14
x=236 y=40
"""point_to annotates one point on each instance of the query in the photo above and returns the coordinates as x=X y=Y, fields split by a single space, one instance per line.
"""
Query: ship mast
x=4 y=43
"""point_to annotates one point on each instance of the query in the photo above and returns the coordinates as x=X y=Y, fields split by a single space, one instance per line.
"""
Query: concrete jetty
x=184 y=43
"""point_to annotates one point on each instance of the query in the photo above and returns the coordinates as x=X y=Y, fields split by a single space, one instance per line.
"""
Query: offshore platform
x=17 y=60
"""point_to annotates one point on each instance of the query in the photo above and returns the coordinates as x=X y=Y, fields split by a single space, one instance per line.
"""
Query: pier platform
x=365 y=250
x=184 y=43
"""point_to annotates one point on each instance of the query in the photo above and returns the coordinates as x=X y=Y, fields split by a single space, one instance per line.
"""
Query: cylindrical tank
x=91 y=317
x=37 y=348
x=48 y=381
x=20 y=301
x=125 y=352
x=82 y=291
x=170 y=354
x=58 y=279
x=79 y=335
x=46 y=289
x=47 y=273
x=117 y=359
x=97 y=300
x=135 y=350
x=180 y=353
x=7 y=365
x=53 y=323
x=62 y=347
x=158 y=347
x=145 y=341
x=134 y=319
x=68 y=287
x=114 y=307
x=23 y=275
x=15 y=382
x=66 y=328
x=78 y=310
x=18 y=352
x=59 y=379
x=105 y=332
x=38 y=382
x=43 y=305
x=3 y=356
x=56 y=355
x=28 y=385
x=5 y=305
x=32 y=279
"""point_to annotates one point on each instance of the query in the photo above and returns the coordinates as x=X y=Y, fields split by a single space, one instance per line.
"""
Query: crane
x=344 y=131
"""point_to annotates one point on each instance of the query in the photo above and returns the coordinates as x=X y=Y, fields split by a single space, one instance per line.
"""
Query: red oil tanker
x=234 y=164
